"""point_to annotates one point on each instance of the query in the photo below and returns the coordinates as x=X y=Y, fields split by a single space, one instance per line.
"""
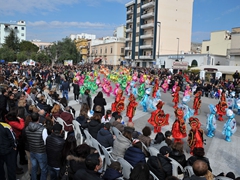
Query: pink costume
x=116 y=89
x=98 y=81
x=175 y=87
x=127 y=90
x=187 y=91
x=141 y=79
x=165 y=85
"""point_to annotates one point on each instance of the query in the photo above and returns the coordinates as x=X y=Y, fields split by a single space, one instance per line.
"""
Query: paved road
x=223 y=155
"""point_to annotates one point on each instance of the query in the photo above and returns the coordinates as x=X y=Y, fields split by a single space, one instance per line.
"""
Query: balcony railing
x=130 y=3
x=148 y=5
x=130 y=11
x=129 y=30
x=147 y=46
x=146 y=57
x=129 y=21
x=127 y=57
x=146 y=36
x=149 y=25
x=234 y=51
x=128 y=39
x=148 y=15
x=128 y=48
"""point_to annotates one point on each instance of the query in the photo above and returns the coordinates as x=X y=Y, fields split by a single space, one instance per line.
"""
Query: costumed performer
x=174 y=87
x=237 y=104
x=195 y=136
x=179 y=126
x=117 y=87
x=197 y=102
x=155 y=88
x=176 y=97
x=144 y=102
x=221 y=109
x=187 y=91
x=211 y=121
x=158 y=118
x=131 y=108
x=118 y=105
x=188 y=112
x=165 y=85
x=230 y=127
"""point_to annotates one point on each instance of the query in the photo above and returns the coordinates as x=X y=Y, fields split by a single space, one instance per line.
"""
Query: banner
x=180 y=65
x=68 y=62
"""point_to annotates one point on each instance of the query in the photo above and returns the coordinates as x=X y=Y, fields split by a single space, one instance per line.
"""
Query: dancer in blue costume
x=211 y=121
x=230 y=127
x=188 y=112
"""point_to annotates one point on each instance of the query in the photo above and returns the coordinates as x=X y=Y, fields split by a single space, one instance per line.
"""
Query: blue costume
x=146 y=101
x=211 y=121
x=188 y=112
x=134 y=90
x=237 y=105
x=230 y=126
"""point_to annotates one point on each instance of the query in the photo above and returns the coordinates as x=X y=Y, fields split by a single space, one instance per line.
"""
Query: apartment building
x=234 y=52
x=42 y=45
x=82 y=47
x=157 y=27
x=18 y=27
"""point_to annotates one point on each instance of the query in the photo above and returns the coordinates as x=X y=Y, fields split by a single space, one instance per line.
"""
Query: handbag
x=65 y=176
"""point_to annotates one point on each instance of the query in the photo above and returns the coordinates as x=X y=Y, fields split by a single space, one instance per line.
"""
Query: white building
x=82 y=36
x=120 y=31
x=18 y=27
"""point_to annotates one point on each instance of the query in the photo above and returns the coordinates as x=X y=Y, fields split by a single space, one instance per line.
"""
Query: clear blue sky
x=51 y=20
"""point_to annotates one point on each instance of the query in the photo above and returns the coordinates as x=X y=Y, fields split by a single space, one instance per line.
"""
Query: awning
x=96 y=60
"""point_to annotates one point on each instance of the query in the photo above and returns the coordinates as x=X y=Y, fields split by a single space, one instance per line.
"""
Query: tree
x=12 y=41
x=7 y=54
x=42 y=57
x=28 y=46
x=22 y=56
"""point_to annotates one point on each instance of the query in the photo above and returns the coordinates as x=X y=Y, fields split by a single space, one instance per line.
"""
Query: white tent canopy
x=29 y=62
x=222 y=69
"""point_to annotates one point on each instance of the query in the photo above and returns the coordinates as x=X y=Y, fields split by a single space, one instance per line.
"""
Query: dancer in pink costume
x=98 y=81
x=141 y=79
x=81 y=80
x=116 y=89
x=128 y=88
x=135 y=77
x=188 y=91
x=108 y=88
x=165 y=85
x=175 y=87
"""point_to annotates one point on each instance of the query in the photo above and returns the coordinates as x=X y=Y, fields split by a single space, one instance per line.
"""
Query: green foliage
x=7 y=54
x=12 y=41
x=42 y=58
x=22 y=56
x=28 y=46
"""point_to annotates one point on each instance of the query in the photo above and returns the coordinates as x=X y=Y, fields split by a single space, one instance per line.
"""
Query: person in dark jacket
x=200 y=169
x=105 y=137
x=161 y=165
x=54 y=147
x=113 y=172
x=93 y=164
x=86 y=98
x=65 y=88
x=95 y=124
x=99 y=100
x=3 y=104
x=134 y=154
x=76 y=90
x=7 y=151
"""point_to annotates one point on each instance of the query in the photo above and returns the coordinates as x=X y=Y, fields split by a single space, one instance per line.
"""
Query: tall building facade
x=120 y=31
x=157 y=27
x=18 y=27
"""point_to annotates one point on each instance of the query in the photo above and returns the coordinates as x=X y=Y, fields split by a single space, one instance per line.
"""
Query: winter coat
x=105 y=138
x=134 y=155
x=146 y=140
x=118 y=125
x=112 y=174
x=7 y=142
x=193 y=177
x=179 y=157
x=93 y=127
x=83 y=121
x=17 y=126
x=76 y=88
x=68 y=118
x=192 y=159
x=120 y=145
x=160 y=165
x=86 y=174
x=101 y=102
x=86 y=98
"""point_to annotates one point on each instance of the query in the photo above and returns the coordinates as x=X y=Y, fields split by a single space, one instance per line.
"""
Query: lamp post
x=177 y=48
x=159 y=31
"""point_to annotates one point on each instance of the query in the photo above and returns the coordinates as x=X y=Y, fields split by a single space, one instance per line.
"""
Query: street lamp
x=177 y=48
x=159 y=31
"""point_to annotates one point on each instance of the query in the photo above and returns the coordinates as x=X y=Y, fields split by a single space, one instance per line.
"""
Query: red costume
x=131 y=108
x=195 y=136
x=221 y=109
x=155 y=88
x=118 y=105
x=158 y=118
x=179 y=126
x=176 y=97
x=197 y=102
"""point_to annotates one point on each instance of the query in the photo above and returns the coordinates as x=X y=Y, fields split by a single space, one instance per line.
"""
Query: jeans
x=41 y=160
x=10 y=160
x=65 y=94
x=53 y=173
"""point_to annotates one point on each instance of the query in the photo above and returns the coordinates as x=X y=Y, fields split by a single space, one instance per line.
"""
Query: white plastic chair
x=153 y=151
x=222 y=178
x=175 y=166
x=63 y=123
x=88 y=137
x=188 y=171
x=108 y=157
x=98 y=146
x=127 y=168
x=77 y=132
x=116 y=132
x=154 y=176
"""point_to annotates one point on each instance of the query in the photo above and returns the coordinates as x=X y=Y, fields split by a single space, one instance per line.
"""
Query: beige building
x=234 y=52
x=42 y=45
x=109 y=50
x=218 y=44
x=157 y=27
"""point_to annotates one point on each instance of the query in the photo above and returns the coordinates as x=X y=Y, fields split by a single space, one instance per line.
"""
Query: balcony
x=130 y=3
x=146 y=57
x=146 y=36
x=129 y=30
x=146 y=26
x=128 y=48
x=148 y=5
x=147 y=46
x=128 y=39
x=234 y=52
x=130 y=11
x=128 y=57
x=148 y=15
x=129 y=21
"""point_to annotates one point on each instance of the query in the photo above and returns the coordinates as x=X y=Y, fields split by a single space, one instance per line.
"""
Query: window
x=207 y=48
x=106 y=50
x=22 y=34
x=111 y=50
x=122 y=50
x=22 y=28
x=101 y=51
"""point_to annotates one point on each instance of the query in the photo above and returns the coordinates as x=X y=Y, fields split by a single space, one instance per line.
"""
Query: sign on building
x=180 y=65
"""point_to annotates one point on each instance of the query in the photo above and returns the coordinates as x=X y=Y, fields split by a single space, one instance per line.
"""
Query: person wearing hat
x=54 y=147
x=161 y=165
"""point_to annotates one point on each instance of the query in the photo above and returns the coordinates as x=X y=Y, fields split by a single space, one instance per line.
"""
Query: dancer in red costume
x=118 y=105
x=155 y=88
x=176 y=97
x=131 y=108
x=197 y=102
x=179 y=126
x=158 y=118
x=221 y=107
x=195 y=136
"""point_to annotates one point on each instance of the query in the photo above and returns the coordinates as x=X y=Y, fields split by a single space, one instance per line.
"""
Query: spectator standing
x=99 y=101
x=76 y=90
x=3 y=104
x=65 y=88
x=86 y=98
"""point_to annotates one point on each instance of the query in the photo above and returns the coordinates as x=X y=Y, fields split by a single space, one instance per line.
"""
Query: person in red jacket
x=179 y=126
x=176 y=97
x=131 y=107
x=197 y=102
